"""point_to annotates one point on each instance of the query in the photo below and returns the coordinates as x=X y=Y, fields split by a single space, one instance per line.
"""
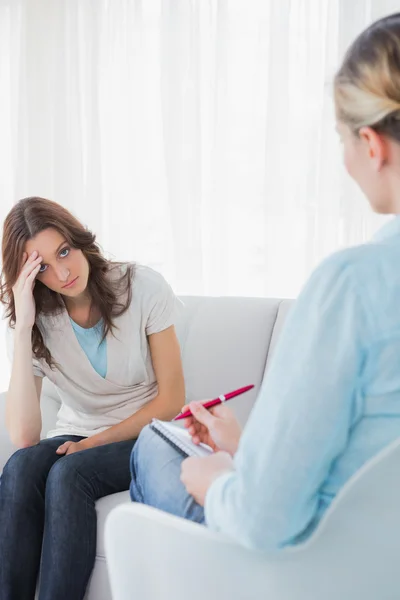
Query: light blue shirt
x=89 y=340
x=330 y=400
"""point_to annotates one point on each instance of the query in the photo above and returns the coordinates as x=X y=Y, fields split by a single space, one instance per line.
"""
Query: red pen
x=218 y=400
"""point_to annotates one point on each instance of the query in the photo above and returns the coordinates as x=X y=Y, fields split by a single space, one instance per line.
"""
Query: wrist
x=232 y=450
x=84 y=444
x=234 y=447
x=23 y=330
x=91 y=442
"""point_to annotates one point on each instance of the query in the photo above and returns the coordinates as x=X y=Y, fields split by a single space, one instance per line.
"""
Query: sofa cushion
x=103 y=508
x=224 y=343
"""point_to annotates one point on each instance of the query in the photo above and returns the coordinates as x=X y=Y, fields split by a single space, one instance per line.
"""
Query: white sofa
x=225 y=343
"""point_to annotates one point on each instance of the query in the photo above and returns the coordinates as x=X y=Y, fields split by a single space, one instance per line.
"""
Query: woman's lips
x=70 y=284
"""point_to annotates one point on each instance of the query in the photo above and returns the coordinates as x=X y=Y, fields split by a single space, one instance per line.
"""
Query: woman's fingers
x=31 y=257
x=31 y=277
x=198 y=433
x=30 y=266
x=186 y=407
x=188 y=422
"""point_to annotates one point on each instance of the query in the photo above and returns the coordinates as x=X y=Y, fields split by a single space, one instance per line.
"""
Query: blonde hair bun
x=367 y=85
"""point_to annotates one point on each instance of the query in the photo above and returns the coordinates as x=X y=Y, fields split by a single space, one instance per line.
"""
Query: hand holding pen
x=216 y=426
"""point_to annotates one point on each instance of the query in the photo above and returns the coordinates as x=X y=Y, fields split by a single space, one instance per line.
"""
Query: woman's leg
x=74 y=484
x=22 y=493
x=156 y=469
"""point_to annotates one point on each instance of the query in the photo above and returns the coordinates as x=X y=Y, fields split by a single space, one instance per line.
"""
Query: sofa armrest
x=6 y=447
x=191 y=561
x=49 y=402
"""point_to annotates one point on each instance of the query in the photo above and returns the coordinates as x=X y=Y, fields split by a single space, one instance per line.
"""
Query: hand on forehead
x=47 y=243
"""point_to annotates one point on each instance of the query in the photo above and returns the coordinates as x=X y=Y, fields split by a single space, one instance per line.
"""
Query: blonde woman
x=103 y=333
x=331 y=398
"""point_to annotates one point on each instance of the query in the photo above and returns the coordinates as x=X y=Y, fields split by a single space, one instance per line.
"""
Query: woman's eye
x=43 y=268
x=64 y=252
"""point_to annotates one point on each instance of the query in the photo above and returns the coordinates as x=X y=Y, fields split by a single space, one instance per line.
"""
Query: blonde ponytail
x=367 y=85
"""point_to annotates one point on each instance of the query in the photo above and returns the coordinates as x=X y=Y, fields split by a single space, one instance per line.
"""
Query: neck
x=393 y=180
x=81 y=302
x=82 y=311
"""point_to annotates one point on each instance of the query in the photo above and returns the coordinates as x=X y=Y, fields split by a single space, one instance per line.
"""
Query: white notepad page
x=180 y=438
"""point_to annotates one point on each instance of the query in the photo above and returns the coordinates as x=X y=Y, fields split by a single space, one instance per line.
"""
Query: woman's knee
x=153 y=463
x=147 y=452
x=137 y=460
x=156 y=468
x=23 y=471
x=64 y=479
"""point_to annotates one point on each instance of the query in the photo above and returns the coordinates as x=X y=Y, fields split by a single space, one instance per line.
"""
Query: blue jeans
x=155 y=470
x=48 y=519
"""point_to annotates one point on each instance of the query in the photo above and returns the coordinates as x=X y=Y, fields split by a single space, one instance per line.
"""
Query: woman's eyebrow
x=58 y=249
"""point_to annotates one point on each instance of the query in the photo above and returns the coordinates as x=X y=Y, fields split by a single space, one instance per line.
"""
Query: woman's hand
x=217 y=427
x=71 y=447
x=197 y=474
x=23 y=292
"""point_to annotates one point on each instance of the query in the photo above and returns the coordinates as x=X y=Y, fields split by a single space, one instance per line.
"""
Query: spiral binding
x=176 y=445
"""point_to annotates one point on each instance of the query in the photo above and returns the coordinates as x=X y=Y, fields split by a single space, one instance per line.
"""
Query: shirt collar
x=388 y=230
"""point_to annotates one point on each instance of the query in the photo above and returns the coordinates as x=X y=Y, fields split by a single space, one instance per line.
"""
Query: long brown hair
x=367 y=85
x=111 y=295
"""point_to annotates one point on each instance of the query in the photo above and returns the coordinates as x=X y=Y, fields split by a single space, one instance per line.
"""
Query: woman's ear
x=375 y=146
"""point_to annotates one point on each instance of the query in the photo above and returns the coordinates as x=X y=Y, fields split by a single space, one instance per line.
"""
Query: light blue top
x=330 y=400
x=89 y=340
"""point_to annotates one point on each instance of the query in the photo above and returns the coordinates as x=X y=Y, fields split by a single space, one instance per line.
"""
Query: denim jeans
x=155 y=470
x=48 y=519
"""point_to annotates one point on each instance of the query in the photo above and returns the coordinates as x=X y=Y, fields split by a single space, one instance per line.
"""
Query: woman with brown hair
x=103 y=333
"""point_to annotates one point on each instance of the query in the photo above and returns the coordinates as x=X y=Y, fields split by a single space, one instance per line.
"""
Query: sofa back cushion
x=283 y=311
x=225 y=343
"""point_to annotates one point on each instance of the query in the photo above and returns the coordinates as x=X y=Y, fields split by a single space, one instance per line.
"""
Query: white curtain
x=195 y=136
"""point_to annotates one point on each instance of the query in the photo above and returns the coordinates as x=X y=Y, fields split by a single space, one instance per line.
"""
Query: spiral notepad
x=179 y=439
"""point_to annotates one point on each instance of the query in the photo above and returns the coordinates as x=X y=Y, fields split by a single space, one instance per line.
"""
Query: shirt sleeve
x=37 y=368
x=301 y=421
x=162 y=306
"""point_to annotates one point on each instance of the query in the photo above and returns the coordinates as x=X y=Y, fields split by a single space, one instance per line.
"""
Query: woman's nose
x=62 y=273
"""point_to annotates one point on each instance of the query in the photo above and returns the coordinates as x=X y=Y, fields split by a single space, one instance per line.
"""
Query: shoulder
x=147 y=278
x=361 y=265
x=147 y=281
x=154 y=297
x=150 y=290
x=366 y=276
